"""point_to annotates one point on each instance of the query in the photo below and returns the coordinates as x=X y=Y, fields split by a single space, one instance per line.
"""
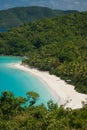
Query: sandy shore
x=64 y=93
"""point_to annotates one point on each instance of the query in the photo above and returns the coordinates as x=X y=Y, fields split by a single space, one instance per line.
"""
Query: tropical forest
x=59 y=45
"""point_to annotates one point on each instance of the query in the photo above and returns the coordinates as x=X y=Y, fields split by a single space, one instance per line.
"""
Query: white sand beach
x=64 y=93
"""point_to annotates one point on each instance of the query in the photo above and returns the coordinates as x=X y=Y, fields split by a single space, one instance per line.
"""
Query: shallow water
x=19 y=82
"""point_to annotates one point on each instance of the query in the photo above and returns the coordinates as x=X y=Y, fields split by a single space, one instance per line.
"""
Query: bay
x=3 y=29
x=20 y=82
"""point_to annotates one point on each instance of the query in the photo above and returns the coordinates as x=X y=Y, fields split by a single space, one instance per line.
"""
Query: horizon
x=38 y=6
x=78 y=5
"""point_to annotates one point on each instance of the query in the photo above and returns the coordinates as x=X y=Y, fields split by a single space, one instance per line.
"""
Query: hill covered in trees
x=20 y=15
x=15 y=115
x=58 y=45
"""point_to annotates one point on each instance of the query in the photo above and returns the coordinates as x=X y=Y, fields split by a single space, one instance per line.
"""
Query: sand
x=63 y=93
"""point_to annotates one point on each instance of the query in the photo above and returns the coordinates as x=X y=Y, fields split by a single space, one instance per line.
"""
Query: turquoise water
x=19 y=82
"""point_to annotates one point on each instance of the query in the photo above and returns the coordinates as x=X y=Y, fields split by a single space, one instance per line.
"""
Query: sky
x=80 y=5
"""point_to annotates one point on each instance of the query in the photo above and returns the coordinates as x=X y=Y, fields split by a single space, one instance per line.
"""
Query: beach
x=64 y=93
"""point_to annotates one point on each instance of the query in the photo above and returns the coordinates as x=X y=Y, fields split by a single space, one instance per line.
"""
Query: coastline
x=64 y=93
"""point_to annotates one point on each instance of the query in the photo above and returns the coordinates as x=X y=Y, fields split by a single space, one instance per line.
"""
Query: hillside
x=20 y=15
x=57 y=45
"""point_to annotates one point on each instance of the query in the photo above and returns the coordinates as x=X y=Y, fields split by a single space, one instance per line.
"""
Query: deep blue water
x=3 y=29
x=19 y=82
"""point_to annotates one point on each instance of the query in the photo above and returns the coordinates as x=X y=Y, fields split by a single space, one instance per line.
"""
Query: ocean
x=20 y=82
x=3 y=29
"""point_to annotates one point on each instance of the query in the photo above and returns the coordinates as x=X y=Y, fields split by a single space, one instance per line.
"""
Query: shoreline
x=63 y=93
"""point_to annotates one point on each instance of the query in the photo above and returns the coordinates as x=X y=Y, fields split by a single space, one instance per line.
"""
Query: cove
x=20 y=82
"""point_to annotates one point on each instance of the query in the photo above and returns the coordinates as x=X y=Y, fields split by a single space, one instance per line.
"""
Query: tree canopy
x=20 y=15
x=58 y=45
x=15 y=116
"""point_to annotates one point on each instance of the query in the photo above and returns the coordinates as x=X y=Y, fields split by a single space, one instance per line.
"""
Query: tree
x=51 y=105
x=32 y=97
x=9 y=103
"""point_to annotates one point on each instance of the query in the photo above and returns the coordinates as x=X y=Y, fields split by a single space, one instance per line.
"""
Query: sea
x=20 y=82
x=3 y=29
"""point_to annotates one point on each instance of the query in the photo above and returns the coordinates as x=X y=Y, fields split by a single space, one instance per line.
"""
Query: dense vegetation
x=20 y=15
x=15 y=115
x=58 y=45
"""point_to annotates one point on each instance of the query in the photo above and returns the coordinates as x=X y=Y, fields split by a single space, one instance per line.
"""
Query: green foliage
x=20 y=15
x=18 y=117
x=32 y=97
x=51 y=105
x=57 y=45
